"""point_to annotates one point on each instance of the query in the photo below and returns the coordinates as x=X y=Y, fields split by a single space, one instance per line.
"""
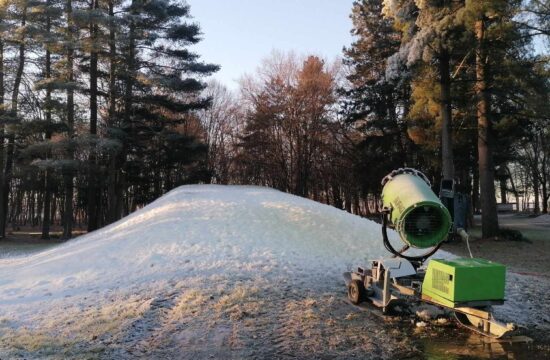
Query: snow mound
x=198 y=269
x=198 y=231
x=541 y=220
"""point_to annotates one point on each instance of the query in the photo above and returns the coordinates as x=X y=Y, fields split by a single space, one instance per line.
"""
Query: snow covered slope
x=197 y=231
x=195 y=237
x=206 y=270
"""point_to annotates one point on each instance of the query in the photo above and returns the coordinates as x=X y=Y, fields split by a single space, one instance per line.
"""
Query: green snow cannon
x=416 y=213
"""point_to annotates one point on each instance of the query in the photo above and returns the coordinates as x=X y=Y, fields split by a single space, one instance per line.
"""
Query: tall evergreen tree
x=50 y=12
x=433 y=41
x=93 y=50
x=160 y=87
x=376 y=102
x=3 y=28
x=499 y=45
x=83 y=58
x=19 y=38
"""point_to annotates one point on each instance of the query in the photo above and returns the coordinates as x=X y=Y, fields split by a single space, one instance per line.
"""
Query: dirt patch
x=530 y=257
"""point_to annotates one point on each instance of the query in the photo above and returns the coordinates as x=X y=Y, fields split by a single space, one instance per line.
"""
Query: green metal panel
x=417 y=213
x=463 y=280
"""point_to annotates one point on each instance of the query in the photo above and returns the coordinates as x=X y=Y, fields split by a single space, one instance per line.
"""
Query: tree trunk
x=11 y=137
x=489 y=216
x=121 y=186
x=68 y=173
x=545 y=197
x=544 y=174
x=46 y=217
x=446 y=117
x=536 y=188
x=113 y=178
x=130 y=76
x=93 y=190
x=514 y=189
x=475 y=191
x=338 y=202
x=503 y=191
x=2 y=142
x=20 y=66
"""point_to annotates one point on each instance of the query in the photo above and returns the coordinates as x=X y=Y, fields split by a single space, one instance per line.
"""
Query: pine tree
x=434 y=36
x=50 y=13
x=376 y=101
x=68 y=168
x=111 y=122
x=536 y=19
x=156 y=96
x=94 y=48
x=3 y=26
x=56 y=153
x=19 y=13
x=498 y=42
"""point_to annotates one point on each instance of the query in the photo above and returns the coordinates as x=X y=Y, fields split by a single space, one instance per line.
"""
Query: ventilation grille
x=441 y=280
x=423 y=221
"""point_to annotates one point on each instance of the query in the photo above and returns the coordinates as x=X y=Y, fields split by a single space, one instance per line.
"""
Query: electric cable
x=466 y=237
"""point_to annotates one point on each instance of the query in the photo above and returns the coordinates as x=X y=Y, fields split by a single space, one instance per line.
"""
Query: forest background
x=104 y=107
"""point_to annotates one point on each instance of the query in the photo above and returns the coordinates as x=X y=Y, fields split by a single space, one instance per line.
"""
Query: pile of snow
x=197 y=232
x=541 y=220
x=164 y=255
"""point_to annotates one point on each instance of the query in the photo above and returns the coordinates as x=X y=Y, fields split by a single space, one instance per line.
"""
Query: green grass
x=536 y=234
x=530 y=234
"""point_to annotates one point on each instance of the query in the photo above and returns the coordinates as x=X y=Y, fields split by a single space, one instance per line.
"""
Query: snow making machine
x=468 y=287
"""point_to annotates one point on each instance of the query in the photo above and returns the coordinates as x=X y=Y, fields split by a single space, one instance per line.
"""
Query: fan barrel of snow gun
x=414 y=210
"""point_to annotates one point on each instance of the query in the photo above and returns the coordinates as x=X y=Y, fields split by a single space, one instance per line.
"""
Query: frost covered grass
x=240 y=302
x=38 y=342
x=71 y=333
x=190 y=303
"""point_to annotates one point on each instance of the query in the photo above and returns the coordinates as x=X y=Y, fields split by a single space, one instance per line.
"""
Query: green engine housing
x=454 y=283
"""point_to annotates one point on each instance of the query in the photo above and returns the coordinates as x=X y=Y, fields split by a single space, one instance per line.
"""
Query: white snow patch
x=197 y=231
x=541 y=220
x=193 y=232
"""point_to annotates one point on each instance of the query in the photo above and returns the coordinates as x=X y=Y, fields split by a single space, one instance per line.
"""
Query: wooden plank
x=404 y=290
x=475 y=312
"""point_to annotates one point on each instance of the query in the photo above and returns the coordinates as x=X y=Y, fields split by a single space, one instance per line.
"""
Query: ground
x=231 y=273
x=526 y=260
x=531 y=256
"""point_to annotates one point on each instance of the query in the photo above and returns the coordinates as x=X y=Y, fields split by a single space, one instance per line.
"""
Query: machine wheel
x=356 y=292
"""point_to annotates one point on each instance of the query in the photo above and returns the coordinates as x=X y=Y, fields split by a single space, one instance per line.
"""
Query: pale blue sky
x=238 y=34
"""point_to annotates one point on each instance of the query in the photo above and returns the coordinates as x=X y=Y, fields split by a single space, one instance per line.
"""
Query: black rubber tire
x=356 y=292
